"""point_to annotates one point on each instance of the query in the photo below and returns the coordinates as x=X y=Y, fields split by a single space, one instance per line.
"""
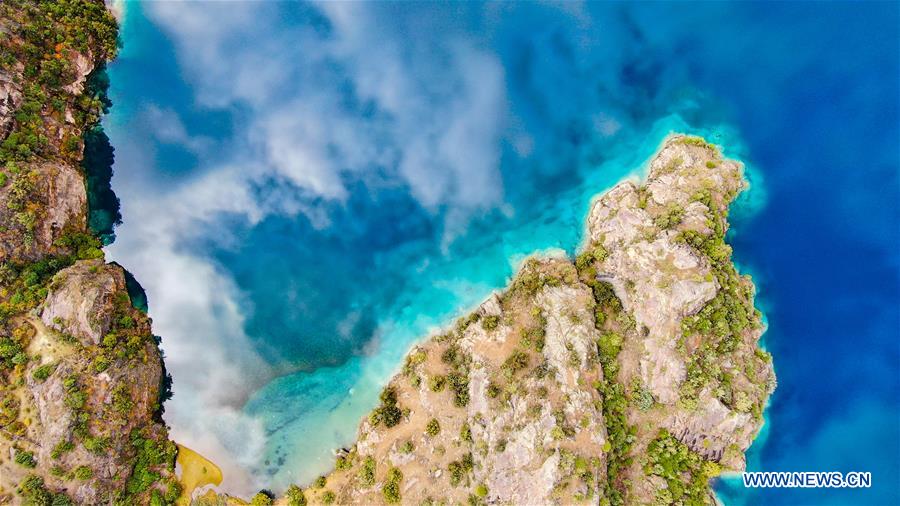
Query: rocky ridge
x=629 y=375
x=81 y=375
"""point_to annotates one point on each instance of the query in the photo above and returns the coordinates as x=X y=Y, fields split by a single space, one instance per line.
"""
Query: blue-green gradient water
x=308 y=189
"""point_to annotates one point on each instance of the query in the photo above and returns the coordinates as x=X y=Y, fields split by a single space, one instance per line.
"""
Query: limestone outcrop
x=81 y=301
x=81 y=376
x=585 y=381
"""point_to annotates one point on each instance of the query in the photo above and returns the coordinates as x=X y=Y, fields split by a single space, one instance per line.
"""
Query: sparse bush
x=261 y=498
x=433 y=428
x=437 y=383
x=367 y=472
x=391 y=489
x=83 y=473
x=43 y=372
x=25 y=459
x=295 y=496
x=490 y=322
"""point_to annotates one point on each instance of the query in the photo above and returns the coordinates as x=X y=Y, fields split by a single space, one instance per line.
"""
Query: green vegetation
x=609 y=318
x=641 y=397
x=367 y=472
x=343 y=462
x=413 y=360
x=517 y=361
x=43 y=40
x=458 y=378
x=670 y=218
x=490 y=322
x=262 y=498
x=328 y=497
x=12 y=348
x=62 y=448
x=151 y=456
x=25 y=459
x=43 y=372
x=586 y=259
x=685 y=472
x=433 y=428
x=722 y=322
x=465 y=433
x=83 y=473
x=295 y=496
x=391 y=488
x=437 y=383
x=388 y=412
x=34 y=493
x=459 y=384
x=460 y=469
x=692 y=140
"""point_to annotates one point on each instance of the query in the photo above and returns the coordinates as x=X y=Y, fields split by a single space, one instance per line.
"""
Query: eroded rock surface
x=81 y=301
x=578 y=381
x=10 y=100
x=95 y=390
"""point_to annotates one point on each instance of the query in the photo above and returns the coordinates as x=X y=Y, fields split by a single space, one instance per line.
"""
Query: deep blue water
x=308 y=189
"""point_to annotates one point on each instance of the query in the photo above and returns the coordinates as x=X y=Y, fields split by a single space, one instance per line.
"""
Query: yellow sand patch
x=196 y=471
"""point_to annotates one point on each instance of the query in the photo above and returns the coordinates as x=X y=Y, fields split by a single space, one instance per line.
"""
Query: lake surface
x=307 y=189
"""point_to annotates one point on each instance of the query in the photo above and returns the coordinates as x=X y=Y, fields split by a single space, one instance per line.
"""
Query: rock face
x=567 y=386
x=81 y=377
x=513 y=418
x=42 y=203
x=10 y=99
x=95 y=387
x=81 y=301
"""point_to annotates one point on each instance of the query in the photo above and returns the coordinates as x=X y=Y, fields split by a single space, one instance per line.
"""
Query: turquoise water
x=308 y=189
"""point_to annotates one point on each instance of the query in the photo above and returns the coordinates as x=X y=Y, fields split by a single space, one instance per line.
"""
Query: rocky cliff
x=81 y=377
x=629 y=375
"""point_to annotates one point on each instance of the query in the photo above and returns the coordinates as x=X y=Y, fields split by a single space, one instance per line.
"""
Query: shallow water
x=438 y=145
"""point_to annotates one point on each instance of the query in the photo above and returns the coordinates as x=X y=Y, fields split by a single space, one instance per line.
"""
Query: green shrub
x=261 y=498
x=25 y=459
x=490 y=322
x=437 y=383
x=295 y=496
x=465 y=433
x=685 y=472
x=515 y=362
x=459 y=383
x=670 y=218
x=459 y=469
x=43 y=372
x=388 y=412
x=343 y=463
x=391 y=488
x=328 y=497
x=433 y=428
x=83 y=473
x=367 y=472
